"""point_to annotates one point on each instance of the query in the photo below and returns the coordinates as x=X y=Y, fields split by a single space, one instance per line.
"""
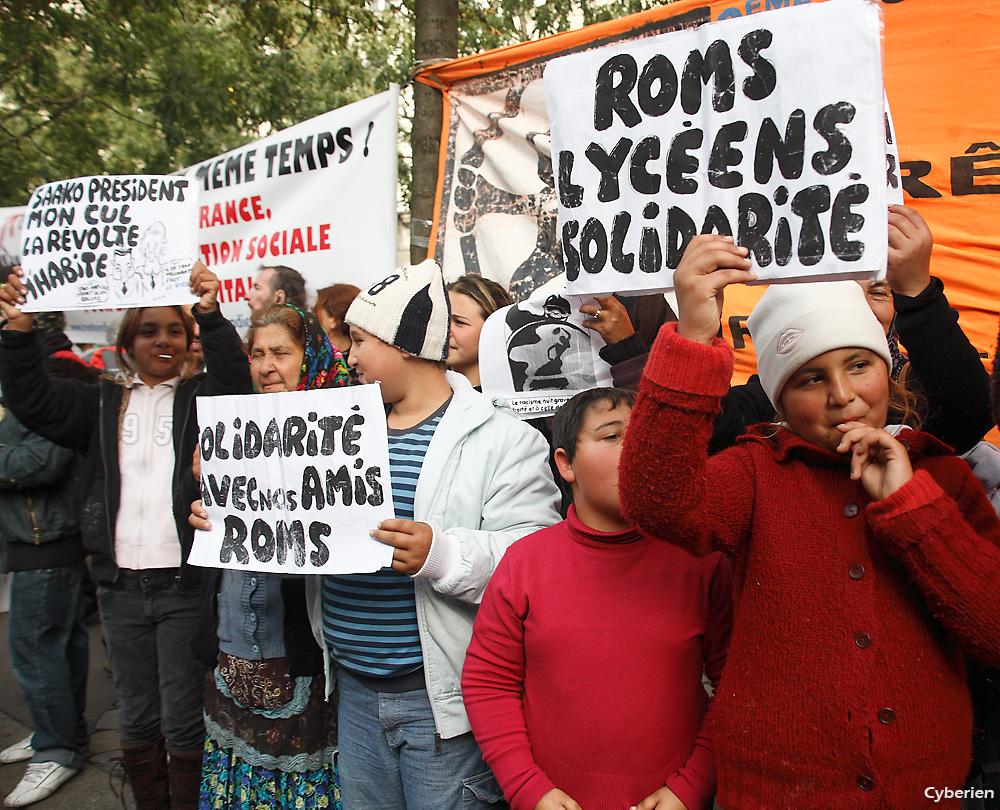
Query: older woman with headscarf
x=271 y=735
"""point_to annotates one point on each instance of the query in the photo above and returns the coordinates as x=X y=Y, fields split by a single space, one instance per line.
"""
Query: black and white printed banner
x=537 y=354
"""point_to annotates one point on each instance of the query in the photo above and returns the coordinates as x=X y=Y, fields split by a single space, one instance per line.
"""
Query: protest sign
x=768 y=128
x=537 y=354
x=293 y=482
x=319 y=197
x=109 y=242
x=893 y=182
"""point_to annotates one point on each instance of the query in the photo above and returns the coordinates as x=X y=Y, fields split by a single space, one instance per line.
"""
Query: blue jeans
x=149 y=620
x=49 y=654
x=391 y=758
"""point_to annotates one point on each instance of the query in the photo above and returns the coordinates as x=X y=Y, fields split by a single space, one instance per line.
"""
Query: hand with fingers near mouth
x=878 y=459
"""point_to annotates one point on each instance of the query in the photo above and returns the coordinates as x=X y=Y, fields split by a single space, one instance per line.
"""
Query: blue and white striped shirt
x=370 y=620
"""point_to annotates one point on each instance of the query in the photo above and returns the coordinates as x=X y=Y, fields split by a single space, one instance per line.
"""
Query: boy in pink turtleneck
x=583 y=681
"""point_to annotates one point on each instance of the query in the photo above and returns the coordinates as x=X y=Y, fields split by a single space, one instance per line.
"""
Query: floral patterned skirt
x=271 y=739
x=228 y=783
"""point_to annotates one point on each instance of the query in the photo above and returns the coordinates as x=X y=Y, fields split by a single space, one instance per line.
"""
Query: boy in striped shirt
x=468 y=479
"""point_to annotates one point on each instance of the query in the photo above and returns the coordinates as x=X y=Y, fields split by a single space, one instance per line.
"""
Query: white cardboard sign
x=768 y=127
x=893 y=181
x=110 y=242
x=294 y=482
x=537 y=354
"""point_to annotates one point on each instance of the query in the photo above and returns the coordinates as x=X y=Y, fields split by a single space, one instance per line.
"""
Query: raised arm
x=225 y=359
x=63 y=411
x=666 y=484
x=944 y=363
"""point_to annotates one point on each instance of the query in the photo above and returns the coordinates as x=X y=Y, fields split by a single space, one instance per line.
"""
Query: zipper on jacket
x=31 y=517
x=177 y=482
x=107 y=469
x=435 y=511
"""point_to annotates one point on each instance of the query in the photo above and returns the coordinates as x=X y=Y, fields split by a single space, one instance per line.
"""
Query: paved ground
x=99 y=785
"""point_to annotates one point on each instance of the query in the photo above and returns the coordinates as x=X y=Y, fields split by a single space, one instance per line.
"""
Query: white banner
x=537 y=354
x=330 y=214
x=498 y=216
x=319 y=197
x=110 y=242
x=294 y=482
x=769 y=128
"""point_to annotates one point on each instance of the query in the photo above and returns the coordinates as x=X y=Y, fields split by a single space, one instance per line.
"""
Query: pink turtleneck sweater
x=585 y=667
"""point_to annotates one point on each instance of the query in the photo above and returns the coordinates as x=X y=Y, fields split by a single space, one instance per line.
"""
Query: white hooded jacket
x=485 y=483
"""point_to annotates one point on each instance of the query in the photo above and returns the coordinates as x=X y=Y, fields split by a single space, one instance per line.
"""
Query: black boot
x=146 y=767
x=185 y=779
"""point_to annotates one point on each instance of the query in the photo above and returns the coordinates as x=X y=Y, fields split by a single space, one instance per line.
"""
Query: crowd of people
x=677 y=594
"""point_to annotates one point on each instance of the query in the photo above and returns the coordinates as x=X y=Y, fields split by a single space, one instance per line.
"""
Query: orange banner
x=942 y=74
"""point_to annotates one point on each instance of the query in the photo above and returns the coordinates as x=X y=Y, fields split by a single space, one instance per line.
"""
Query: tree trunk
x=435 y=37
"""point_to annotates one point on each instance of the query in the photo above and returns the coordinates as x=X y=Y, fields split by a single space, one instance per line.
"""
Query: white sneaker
x=40 y=781
x=18 y=752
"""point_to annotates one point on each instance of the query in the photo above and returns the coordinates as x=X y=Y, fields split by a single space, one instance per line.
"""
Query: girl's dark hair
x=279 y=316
x=334 y=301
x=569 y=419
x=130 y=326
x=489 y=295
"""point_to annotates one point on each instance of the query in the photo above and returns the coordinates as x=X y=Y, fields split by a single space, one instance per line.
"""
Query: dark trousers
x=149 y=620
x=49 y=654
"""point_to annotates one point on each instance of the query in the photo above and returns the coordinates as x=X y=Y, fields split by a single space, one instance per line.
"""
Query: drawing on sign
x=109 y=242
x=546 y=351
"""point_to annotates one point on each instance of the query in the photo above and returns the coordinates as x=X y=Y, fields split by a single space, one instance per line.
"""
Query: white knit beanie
x=408 y=309
x=793 y=323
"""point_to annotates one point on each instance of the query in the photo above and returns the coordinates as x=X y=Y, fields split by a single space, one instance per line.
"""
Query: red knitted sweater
x=585 y=667
x=845 y=683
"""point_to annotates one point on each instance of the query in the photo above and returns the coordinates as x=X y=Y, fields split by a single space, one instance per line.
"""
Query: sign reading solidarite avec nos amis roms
x=294 y=482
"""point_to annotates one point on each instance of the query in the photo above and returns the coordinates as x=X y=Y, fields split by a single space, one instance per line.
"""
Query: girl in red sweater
x=865 y=558
x=583 y=680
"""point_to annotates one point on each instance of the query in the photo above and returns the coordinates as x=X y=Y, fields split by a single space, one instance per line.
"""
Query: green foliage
x=484 y=25
x=130 y=86
x=127 y=86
